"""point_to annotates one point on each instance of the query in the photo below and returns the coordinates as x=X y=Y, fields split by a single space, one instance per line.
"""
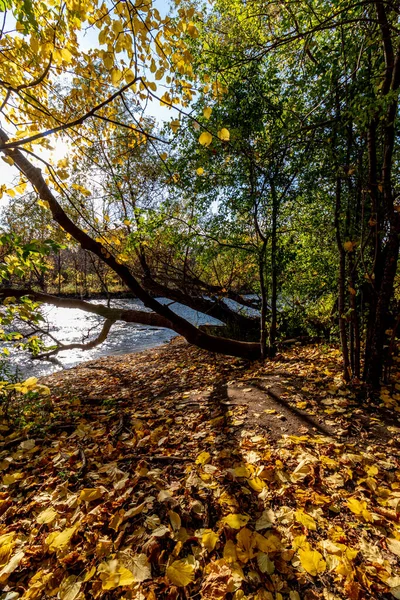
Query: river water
x=73 y=325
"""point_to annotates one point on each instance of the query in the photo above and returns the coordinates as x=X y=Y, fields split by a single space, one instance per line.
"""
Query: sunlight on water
x=72 y=325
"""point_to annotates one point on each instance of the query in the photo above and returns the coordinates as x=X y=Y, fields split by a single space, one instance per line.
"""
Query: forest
x=240 y=159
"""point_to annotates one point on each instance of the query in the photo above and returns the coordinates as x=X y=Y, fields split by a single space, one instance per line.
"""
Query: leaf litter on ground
x=176 y=473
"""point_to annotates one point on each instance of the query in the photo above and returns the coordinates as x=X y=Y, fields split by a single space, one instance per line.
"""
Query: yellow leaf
x=175 y=124
x=11 y=566
x=245 y=545
x=89 y=574
x=257 y=484
x=175 y=520
x=242 y=471
x=192 y=30
x=129 y=76
x=203 y=458
x=181 y=572
x=300 y=541
x=90 y=494
x=117 y=519
x=312 y=561
x=205 y=139
x=349 y=246
x=37 y=584
x=209 y=539
x=66 y=55
x=6 y=548
x=200 y=171
x=207 y=112
x=305 y=519
x=224 y=135
x=116 y=76
x=268 y=543
x=70 y=588
x=47 y=516
x=230 y=554
x=163 y=156
x=60 y=539
x=113 y=575
x=126 y=222
x=393 y=545
x=10 y=479
x=235 y=521
x=359 y=508
x=117 y=27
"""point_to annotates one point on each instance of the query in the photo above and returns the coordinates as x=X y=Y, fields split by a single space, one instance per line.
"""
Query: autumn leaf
x=137 y=564
x=7 y=544
x=230 y=554
x=393 y=545
x=312 y=561
x=359 y=508
x=205 y=138
x=181 y=572
x=224 y=135
x=219 y=581
x=257 y=484
x=349 y=246
x=266 y=520
x=265 y=564
x=203 y=458
x=113 y=574
x=209 y=539
x=175 y=520
x=207 y=112
x=245 y=545
x=60 y=539
x=11 y=565
x=236 y=521
x=12 y=478
x=47 y=516
x=305 y=519
x=91 y=494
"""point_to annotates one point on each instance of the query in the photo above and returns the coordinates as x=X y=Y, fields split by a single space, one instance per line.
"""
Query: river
x=73 y=325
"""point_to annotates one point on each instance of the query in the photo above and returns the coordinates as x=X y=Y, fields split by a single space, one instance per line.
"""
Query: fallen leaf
x=312 y=561
x=181 y=572
x=236 y=521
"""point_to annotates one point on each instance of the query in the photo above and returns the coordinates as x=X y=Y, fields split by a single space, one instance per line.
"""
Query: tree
x=319 y=88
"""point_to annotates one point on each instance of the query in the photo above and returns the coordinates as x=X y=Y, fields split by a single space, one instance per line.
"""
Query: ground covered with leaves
x=175 y=473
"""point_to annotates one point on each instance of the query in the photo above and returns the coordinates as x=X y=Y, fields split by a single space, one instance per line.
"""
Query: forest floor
x=175 y=473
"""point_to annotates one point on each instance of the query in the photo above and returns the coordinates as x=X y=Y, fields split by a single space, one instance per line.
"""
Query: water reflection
x=73 y=325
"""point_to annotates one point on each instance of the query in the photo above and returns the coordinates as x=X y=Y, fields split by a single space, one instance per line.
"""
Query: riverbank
x=176 y=473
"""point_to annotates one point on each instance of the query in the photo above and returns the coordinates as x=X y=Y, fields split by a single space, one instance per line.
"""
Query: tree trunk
x=274 y=274
x=341 y=284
